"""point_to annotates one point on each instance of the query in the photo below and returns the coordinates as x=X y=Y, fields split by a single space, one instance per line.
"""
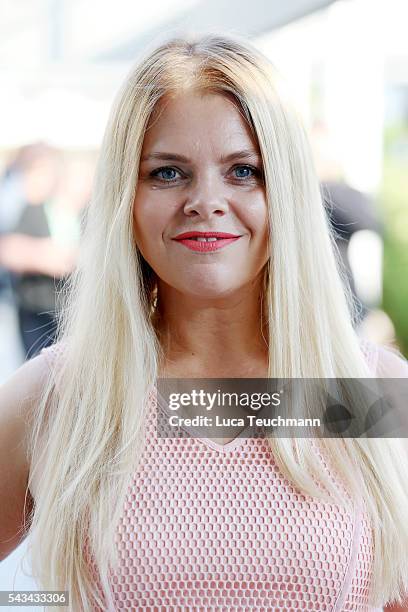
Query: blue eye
x=247 y=168
x=165 y=170
x=167 y=174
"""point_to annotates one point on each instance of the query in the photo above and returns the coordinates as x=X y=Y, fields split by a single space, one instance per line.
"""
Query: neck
x=213 y=336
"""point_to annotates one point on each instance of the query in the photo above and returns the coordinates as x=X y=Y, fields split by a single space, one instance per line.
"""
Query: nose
x=206 y=198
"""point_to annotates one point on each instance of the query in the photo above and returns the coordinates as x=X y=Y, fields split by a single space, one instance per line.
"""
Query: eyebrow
x=243 y=154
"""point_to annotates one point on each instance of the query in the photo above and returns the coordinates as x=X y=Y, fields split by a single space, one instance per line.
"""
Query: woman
x=201 y=139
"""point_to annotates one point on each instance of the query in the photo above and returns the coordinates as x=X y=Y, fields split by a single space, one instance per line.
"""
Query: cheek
x=141 y=223
x=149 y=223
x=256 y=216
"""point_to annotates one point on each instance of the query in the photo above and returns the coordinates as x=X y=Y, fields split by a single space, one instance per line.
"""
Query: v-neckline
x=192 y=431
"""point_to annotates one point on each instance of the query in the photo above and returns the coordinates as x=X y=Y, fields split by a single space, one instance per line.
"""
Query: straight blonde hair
x=90 y=421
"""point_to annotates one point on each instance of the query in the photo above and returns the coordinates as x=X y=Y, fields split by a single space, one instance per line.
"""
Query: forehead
x=196 y=120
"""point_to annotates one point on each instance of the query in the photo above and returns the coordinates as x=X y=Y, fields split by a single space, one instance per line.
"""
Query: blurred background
x=61 y=64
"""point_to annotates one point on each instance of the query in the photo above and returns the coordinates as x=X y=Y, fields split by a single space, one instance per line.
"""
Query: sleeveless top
x=211 y=526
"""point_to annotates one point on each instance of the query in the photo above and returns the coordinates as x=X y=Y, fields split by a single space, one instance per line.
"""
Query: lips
x=205 y=235
x=199 y=245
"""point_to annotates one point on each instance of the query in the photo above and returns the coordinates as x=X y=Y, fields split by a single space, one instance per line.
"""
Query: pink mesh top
x=212 y=526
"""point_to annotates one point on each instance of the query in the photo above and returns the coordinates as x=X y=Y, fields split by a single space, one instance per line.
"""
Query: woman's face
x=201 y=171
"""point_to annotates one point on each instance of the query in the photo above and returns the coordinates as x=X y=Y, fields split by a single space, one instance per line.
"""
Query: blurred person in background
x=350 y=211
x=358 y=230
x=12 y=199
x=38 y=248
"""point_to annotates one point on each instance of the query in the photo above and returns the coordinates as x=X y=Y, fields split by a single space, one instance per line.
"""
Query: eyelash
x=256 y=173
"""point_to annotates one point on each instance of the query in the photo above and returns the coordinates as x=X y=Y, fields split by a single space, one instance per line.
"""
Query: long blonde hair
x=91 y=419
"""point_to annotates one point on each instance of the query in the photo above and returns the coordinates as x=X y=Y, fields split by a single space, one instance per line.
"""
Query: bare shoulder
x=391 y=363
x=19 y=394
x=21 y=390
x=384 y=361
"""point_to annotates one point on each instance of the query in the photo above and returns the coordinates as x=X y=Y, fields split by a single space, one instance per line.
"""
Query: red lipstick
x=217 y=240
x=206 y=235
